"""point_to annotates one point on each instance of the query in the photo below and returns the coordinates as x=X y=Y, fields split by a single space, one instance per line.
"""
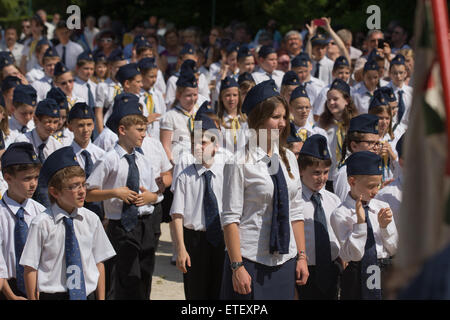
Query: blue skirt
x=268 y=282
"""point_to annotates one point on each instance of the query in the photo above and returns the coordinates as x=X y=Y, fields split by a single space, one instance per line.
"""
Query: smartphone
x=381 y=44
x=319 y=22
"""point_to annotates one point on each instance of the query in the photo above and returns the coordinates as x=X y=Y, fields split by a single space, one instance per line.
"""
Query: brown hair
x=380 y=109
x=63 y=175
x=82 y=62
x=221 y=110
x=45 y=59
x=133 y=119
x=263 y=111
x=349 y=138
x=4 y=124
x=14 y=169
x=305 y=161
x=350 y=111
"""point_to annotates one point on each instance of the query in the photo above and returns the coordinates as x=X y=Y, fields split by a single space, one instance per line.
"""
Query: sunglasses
x=66 y=82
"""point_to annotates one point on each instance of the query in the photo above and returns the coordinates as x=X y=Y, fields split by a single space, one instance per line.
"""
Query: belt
x=381 y=262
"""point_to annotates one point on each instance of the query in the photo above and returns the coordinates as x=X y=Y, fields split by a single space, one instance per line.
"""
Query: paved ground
x=167 y=283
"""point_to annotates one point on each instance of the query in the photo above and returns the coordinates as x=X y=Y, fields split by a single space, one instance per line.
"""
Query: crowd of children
x=279 y=180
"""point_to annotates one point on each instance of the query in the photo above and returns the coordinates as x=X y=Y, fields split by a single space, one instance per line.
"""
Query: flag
x=423 y=224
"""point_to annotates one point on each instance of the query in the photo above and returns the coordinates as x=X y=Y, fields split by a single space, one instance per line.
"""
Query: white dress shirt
x=80 y=89
x=203 y=89
x=261 y=75
x=95 y=152
x=249 y=203
x=159 y=107
x=14 y=125
x=361 y=97
x=8 y=211
x=189 y=192
x=42 y=87
x=106 y=139
x=111 y=171
x=352 y=236
x=44 y=250
x=32 y=137
x=407 y=99
x=392 y=194
x=17 y=51
x=73 y=50
x=35 y=74
x=325 y=69
x=340 y=184
x=311 y=129
x=104 y=95
x=329 y=203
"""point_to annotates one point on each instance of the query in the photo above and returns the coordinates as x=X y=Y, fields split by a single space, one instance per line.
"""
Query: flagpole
x=441 y=29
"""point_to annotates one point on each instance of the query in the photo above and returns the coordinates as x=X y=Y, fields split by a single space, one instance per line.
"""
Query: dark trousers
x=311 y=291
x=204 y=278
x=61 y=296
x=13 y=285
x=351 y=279
x=130 y=272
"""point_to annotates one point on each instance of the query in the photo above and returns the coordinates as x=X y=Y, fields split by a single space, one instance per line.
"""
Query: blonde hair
x=60 y=177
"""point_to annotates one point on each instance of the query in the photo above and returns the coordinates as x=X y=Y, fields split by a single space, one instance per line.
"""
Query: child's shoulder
x=332 y=197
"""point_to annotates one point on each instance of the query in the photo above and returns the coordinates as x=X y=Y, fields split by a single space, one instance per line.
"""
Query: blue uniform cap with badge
x=25 y=94
x=293 y=137
x=290 y=78
x=206 y=107
x=364 y=123
x=60 y=69
x=341 y=61
x=399 y=59
x=143 y=44
x=47 y=107
x=116 y=55
x=127 y=72
x=319 y=40
x=378 y=100
x=228 y=82
x=300 y=60
x=387 y=92
x=19 y=153
x=375 y=55
x=187 y=79
x=371 y=65
x=299 y=92
x=207 y=122
x=124 y=105
x=80 y=111
x=6 y=59
x=364 y=163
x=243 y=52
x=232 y=47
x=137 y=38
x=341 y=85
x=10 y=82
x=187 y=49
x=59 y=96
x=86 y=56
x=99 y=57
x=57 y=160
x=258 y=94
x=190 y=65
x=51 y=52
x=146 y=64
x=246 y=76
x=316 y=146
x=265 y=50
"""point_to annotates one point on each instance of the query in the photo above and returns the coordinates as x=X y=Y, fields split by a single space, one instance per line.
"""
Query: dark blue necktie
x=20 y=237
x=270 y=75
x=41 y=156
x=88 y=164
x=316 y=74
x=401 y=106
x=369 y=259
x=322 y=245
x=212 y=219
x=130 y=211
x=64 y=56
x=280 y=228
x=74 y=268
x=23 y=129
x=91 y=102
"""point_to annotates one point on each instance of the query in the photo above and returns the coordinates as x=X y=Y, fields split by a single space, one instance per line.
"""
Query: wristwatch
x=236 y=265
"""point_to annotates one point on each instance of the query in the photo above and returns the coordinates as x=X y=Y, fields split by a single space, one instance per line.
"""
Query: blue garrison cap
x=293 y=137
x=116 y=55
x=143 y=44
x=228 y=82
x=319 y=40
x=187 y=49
x=124 y=105
x=59 y=96
x=341 y=61
x=264 y=51
x=80 y=111
x=6 y=58
x=300 y=60
x=10 y=82
x=85 y=55
x=47 y=107
x=378 y=100
x=375 y=55
x=127 y=72
x=206 y=107
x=299 y=92
x=124 y=98
x=259 y=93
x=99 y=57
x=243 y=52
x=246 y=76
x=51 y=52
x=188 y=65
x=25 y=94
x=398 y=59
x=316 y=146
x=137 y=38
x=207 y=122
x=19 y=153
x=364 y=163
x=232 y=47
x=364 y=123
x=399 y=146
x=387 y=92
x=371 y=65
x=340 y=85
x=2 y=100
x=290 y=78
x=60 y=68
x=187 y=79
x=147 y=63
x=59 y=159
